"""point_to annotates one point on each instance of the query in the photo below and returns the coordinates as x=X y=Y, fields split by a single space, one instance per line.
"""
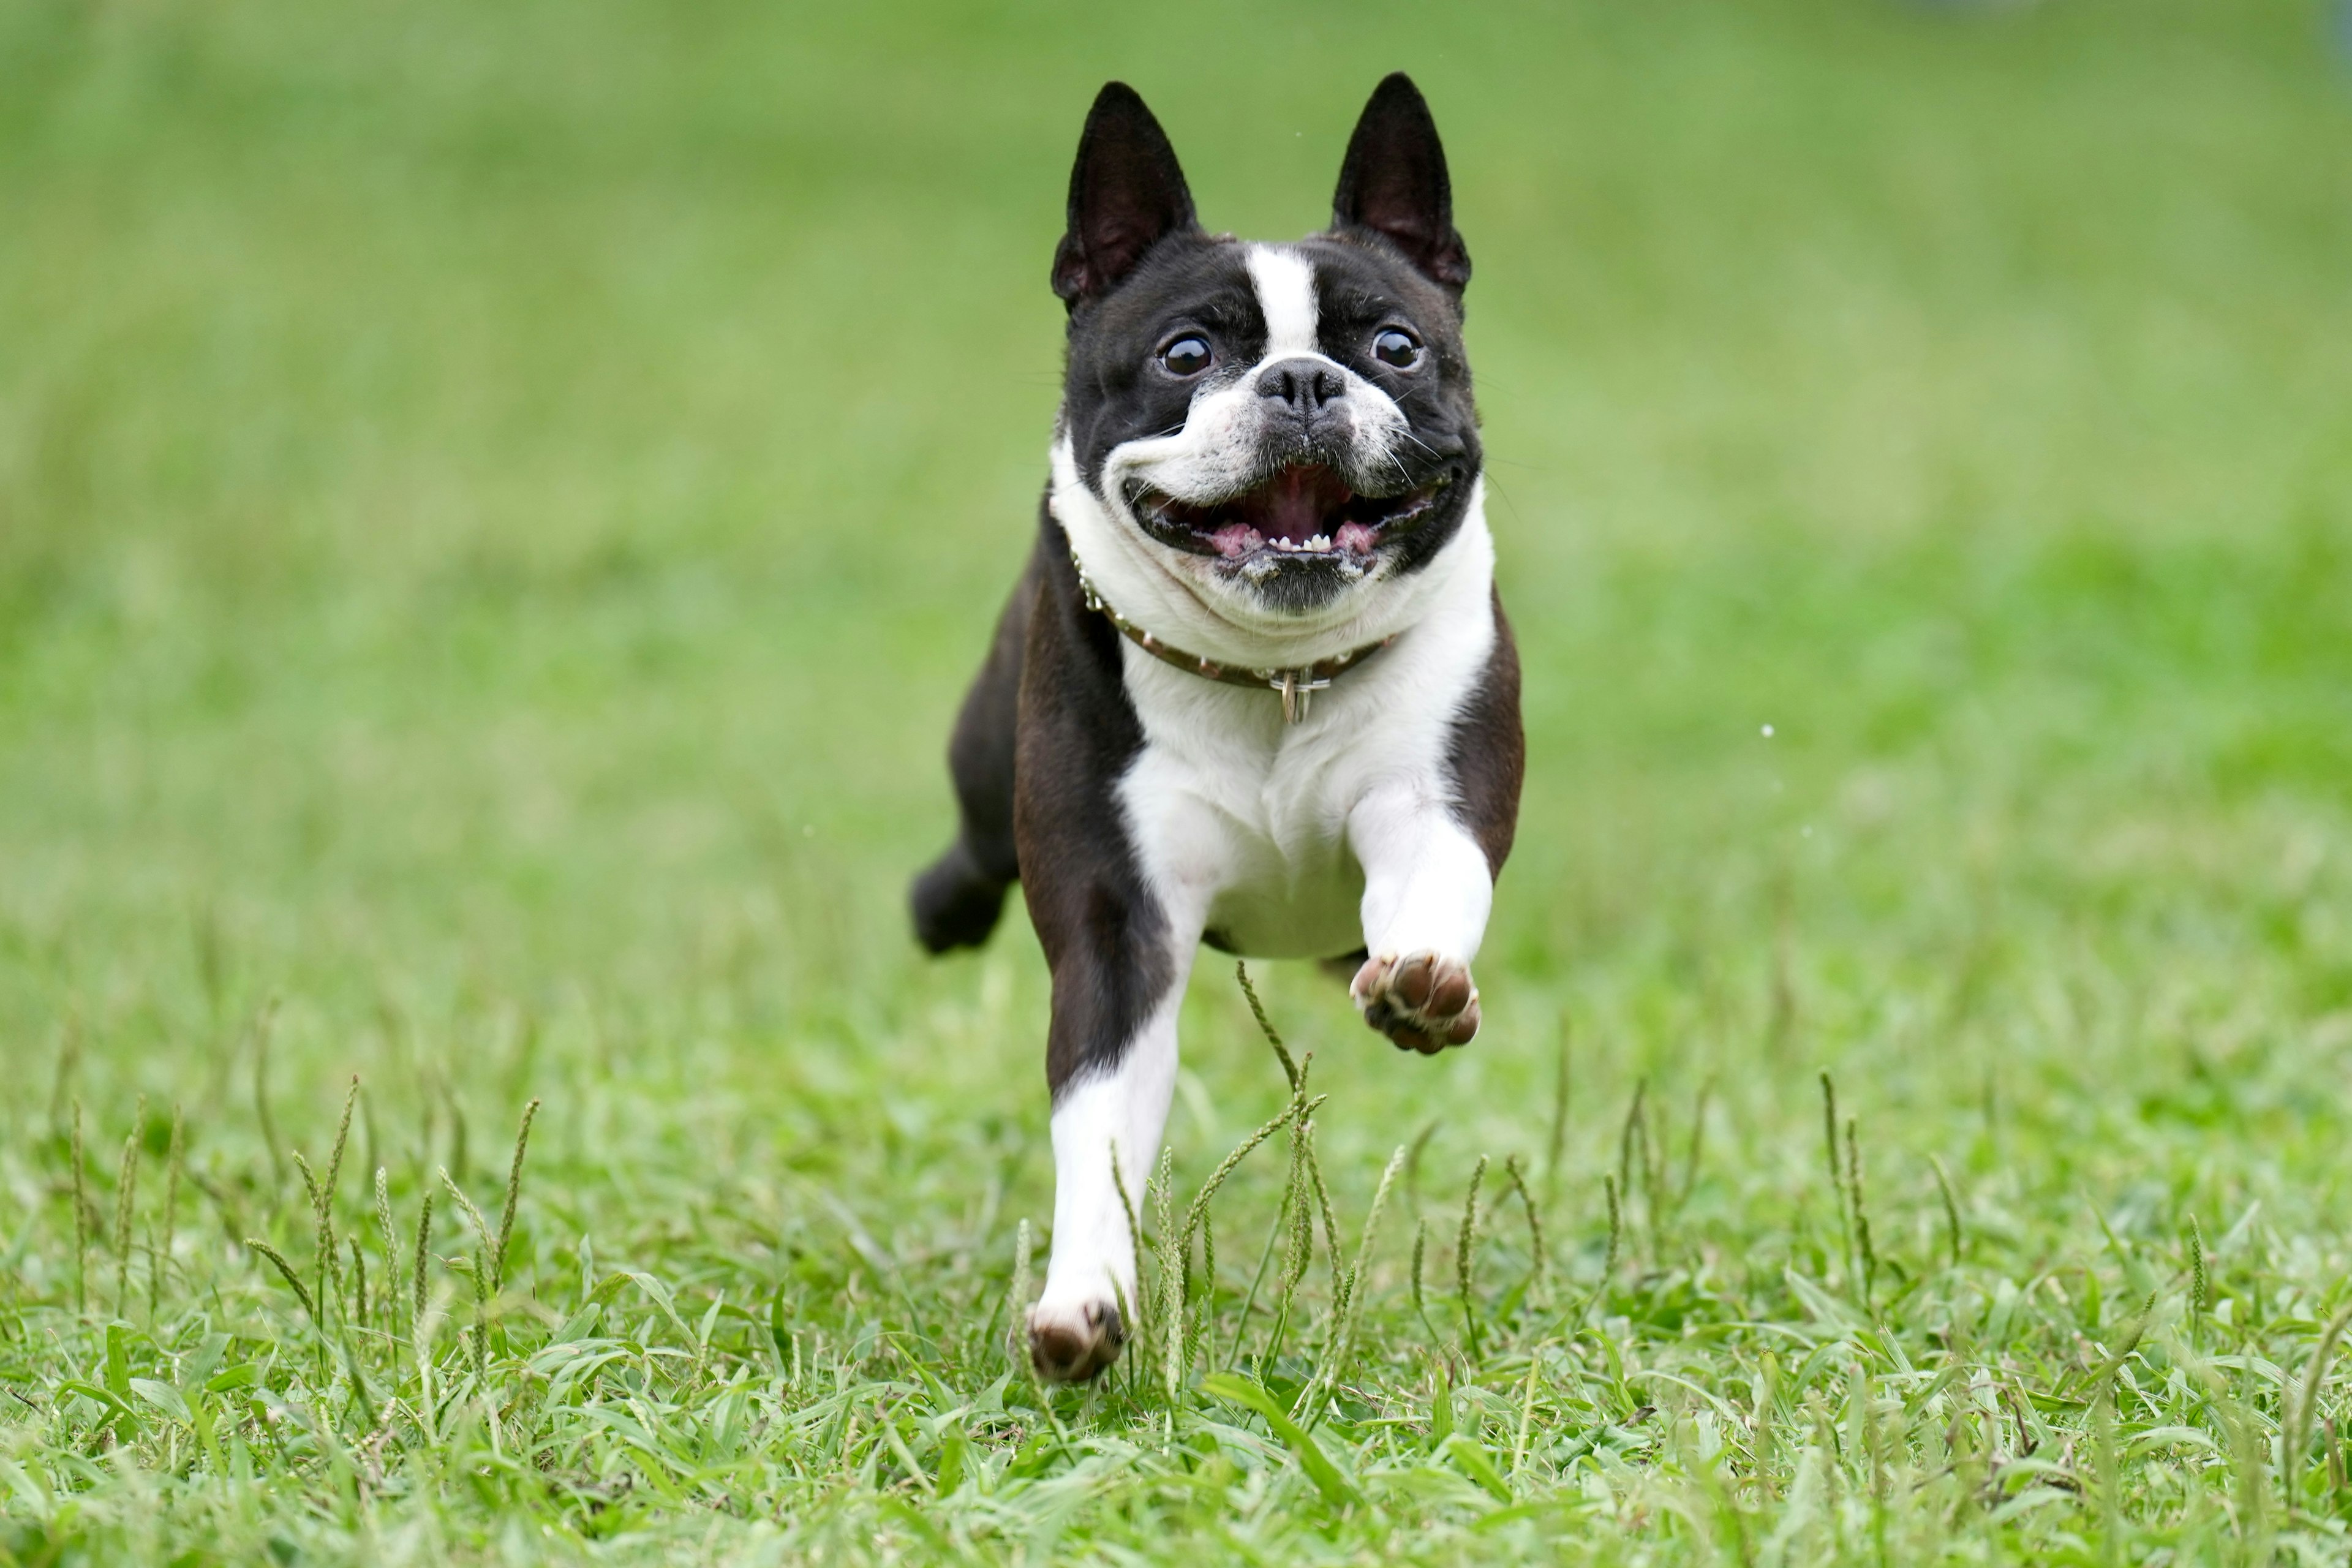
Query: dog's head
x=1280 y=426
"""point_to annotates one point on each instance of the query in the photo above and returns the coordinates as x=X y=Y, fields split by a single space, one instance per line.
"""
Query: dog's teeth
x=1320 y=542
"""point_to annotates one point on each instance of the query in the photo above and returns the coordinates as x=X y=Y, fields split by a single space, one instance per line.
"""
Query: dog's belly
x=1287 y=901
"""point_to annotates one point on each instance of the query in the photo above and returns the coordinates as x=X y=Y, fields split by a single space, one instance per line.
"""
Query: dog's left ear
x=1394 y=184
x=1127 y=194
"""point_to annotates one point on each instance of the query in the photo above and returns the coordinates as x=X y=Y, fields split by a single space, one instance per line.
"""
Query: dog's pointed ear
x=1394 y=184
x=1127 y=194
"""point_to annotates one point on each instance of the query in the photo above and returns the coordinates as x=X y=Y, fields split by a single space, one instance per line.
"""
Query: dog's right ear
x=1126 y=194
x=1394 y=184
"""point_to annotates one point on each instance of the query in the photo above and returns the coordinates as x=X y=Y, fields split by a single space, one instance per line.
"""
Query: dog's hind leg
x=956 y=900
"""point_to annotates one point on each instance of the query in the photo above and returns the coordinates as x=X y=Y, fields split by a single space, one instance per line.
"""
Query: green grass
x=496 y=506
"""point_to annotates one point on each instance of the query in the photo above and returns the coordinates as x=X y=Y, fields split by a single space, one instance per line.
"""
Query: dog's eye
x=1398 y=348
x=1188 y=355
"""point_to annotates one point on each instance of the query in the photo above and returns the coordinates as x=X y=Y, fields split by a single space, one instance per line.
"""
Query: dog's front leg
x=1111 y=1063
x=1427 y=891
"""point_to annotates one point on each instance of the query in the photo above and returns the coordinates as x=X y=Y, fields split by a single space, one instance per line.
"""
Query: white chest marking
x=1233 y=812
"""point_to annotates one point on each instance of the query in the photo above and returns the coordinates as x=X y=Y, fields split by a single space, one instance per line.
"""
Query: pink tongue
x=1292 y=507
x=1354 y=538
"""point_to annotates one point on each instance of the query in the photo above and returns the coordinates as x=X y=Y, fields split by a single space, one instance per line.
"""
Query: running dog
x=1254 y=688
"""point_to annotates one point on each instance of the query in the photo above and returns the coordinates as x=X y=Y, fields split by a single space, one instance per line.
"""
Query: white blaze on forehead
x=1285 y=292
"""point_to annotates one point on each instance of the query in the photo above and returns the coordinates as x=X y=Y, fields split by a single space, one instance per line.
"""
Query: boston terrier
x=1254 y=688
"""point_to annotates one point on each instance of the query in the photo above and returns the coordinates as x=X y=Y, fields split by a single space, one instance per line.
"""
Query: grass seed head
x=343 y=1139
x=1616 y=1243
x=175 y=1157
x=1630 y=1136
x=126 y=1192
x=1131 y=1310
x=391 y=1239
x=1955 y=1239
x=1299 y=1220
x=1323 y=1205
x=2296 y=1441
x=80 y=1218
x=419 y=1277
x=1420 y=1297
x=1290 y=1069
x=276 y=1260
x=68 y=1065
x=514 y=1195
x=1465 y=1247
x=466 y=1206
x=1540 y=1276
x=1837 y=1171
x=1351 y=1309
x=2200 y=1288
x=1861 y=1215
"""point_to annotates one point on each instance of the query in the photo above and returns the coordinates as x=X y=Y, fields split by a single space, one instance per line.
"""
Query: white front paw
x=1423 y=1000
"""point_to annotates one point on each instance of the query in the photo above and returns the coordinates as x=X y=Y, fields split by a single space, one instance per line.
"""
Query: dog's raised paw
x=1071 y=1345
x=1420 y=1001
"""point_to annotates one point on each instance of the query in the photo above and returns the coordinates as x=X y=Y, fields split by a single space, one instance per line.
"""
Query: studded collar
x=1295 y=685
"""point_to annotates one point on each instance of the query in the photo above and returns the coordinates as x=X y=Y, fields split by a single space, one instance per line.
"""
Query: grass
x=496 y=505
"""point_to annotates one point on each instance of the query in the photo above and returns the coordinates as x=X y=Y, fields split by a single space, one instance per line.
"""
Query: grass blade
x=1237 y=1389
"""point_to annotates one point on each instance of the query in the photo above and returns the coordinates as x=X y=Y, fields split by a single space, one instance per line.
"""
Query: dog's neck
x=1137 y=578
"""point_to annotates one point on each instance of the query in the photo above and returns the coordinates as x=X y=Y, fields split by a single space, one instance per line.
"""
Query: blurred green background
x=498 y=504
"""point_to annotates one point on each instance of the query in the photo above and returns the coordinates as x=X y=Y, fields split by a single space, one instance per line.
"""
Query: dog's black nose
x=1305 y=384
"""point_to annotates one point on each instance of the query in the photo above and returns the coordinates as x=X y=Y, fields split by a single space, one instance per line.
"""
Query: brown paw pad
x=1421 y=1002
x=1071 y=1347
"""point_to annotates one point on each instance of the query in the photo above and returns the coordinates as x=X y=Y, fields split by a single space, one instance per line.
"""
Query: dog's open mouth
x=1305 y=509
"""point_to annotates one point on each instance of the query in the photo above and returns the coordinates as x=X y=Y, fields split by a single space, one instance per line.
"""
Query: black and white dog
x=1254 y=688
